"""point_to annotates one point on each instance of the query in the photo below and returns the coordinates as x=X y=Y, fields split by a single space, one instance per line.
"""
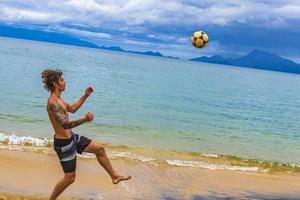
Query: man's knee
x=70 y=178
x=100 y=151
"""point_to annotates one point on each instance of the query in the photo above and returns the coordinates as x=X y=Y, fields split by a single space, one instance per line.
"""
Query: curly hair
x=49 y=76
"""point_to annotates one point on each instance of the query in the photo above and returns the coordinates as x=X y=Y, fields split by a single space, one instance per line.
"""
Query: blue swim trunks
x=67 y=149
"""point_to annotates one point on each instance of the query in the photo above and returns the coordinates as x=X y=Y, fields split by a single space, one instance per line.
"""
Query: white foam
x=198 y=164
x=210 y=155
x=132 y=156
x=86 y=155
x=117 y=154
x=294 y=165
x=24 y=140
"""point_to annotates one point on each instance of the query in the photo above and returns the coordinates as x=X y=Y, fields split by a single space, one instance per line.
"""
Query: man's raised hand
x=88 y=91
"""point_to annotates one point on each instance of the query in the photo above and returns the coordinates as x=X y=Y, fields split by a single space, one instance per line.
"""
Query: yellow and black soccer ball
x=199 y=39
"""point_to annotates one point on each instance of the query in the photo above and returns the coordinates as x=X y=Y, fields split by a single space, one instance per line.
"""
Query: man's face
x=61 y=84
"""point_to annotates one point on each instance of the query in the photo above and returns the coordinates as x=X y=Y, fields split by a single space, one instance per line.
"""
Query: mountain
x=148 y=53
x=60 y=38
x=214 y=59
x=256 y=59
x=43 y=36
x=111 y=48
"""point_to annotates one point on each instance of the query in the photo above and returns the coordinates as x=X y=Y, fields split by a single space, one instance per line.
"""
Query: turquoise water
x=155 y=102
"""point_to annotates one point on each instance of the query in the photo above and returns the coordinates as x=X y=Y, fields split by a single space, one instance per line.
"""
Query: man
x=67 y=143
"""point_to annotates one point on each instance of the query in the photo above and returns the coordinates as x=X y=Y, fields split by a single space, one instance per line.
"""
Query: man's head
x=53 y=80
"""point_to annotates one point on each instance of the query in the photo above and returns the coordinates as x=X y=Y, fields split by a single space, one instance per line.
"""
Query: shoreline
x=157 y=156
x=148 y=182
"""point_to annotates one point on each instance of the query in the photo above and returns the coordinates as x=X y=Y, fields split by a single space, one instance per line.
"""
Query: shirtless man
x=67 y=143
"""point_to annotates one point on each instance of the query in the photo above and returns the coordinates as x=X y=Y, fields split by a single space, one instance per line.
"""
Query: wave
x=25 y=140
x=123 y=152
x=204 y=165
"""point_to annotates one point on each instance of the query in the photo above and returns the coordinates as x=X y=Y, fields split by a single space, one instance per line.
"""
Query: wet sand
x=30 y=175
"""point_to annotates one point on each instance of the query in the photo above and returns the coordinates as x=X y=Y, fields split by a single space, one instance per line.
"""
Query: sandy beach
x=30 y=175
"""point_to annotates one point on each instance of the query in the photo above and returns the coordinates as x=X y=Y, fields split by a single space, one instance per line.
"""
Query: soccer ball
x=199 y=39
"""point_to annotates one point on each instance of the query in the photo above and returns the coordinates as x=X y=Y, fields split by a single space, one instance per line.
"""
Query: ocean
x=158 y=104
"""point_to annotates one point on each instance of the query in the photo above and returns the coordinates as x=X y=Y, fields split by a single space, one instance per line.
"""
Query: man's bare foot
x=117 y=179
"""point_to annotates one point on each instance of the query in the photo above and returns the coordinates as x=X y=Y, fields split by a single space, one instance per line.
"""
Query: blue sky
x=235 y=27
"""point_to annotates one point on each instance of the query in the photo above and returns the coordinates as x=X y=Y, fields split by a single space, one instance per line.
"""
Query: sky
x=234 y=27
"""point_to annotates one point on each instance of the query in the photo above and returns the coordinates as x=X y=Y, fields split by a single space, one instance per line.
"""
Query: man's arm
x=75 y=106
x=62 y=117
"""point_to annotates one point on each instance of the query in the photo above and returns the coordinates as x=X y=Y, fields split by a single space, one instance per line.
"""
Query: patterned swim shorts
x=67 y=149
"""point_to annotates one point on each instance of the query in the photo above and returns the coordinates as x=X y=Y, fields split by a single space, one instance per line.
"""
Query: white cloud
x=83 y=33
x=132 y=13
x=10 y=14
x=288 y=11
x=138 y=43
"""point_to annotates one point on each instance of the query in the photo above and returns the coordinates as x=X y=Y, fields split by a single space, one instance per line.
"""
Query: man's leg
x=103 y=160
x=68 y=179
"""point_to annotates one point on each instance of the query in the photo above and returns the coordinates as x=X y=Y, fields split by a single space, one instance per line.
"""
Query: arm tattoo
x=62 y=117
x=72 y=124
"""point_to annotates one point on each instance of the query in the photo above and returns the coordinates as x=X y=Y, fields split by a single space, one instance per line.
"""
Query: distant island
x=60 y=38
x=256 y=59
